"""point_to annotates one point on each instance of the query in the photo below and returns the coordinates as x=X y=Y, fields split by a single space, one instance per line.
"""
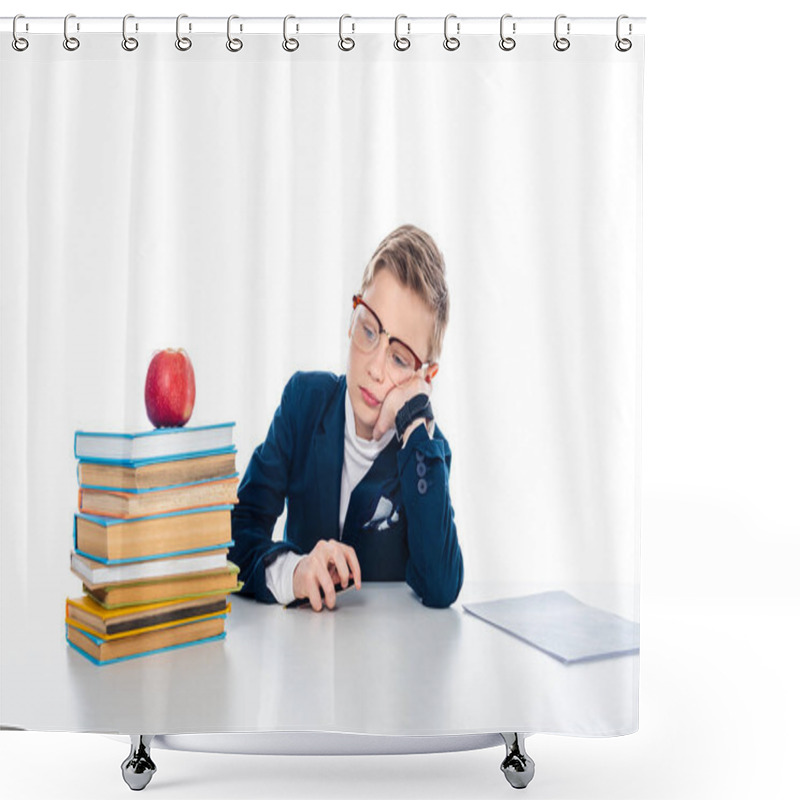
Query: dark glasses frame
x=358 y=300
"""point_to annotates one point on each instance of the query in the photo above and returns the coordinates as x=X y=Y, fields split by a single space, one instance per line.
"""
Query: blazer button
x=422 y=486
x=420 y=456
x=421 y=470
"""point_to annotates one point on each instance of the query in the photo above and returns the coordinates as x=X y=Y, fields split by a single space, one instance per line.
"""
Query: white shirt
x=359 y=456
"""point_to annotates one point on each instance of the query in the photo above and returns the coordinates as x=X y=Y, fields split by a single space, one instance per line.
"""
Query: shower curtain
x=224 y=196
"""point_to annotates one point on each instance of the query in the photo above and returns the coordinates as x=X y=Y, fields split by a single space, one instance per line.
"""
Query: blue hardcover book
x=99 y=572
x=109 y=521
x=110 y=540
x=158 y=443
x=150 y=489
x=111 y=562
x=125 y=504
x=102 y=651
x=150 y=474
x=143 y=462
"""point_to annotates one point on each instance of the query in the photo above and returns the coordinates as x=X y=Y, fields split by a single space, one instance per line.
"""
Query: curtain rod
x=325 y=25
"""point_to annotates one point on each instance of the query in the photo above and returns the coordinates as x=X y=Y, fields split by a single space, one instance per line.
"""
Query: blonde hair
x=413 y=258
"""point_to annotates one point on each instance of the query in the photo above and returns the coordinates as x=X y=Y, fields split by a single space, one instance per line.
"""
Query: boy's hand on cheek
x=395 y=400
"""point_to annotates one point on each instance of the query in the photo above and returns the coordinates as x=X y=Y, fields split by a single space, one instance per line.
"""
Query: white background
x=721 y=436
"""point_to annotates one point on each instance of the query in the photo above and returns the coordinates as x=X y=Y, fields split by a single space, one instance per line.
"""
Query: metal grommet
x=289 y=45
x=451 y=42
x=129 y=43
x=234 y=45
x=346 y=43
x=401 y=43
x=561 y=43
x=506 y=42
x=623 y=45
x=18 y=42
x=70 y=42
x=183 y=43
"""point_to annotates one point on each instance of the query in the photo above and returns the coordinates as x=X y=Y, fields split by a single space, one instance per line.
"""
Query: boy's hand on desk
x=396 y=399
x=329 y=563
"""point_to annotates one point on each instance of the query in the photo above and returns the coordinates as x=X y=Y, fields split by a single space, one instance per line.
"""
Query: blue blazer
x=399 y=521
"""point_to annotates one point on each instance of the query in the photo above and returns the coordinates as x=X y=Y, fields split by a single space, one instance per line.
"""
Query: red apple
x=169 y=389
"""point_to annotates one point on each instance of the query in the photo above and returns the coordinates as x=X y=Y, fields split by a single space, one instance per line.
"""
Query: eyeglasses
x=367 y=328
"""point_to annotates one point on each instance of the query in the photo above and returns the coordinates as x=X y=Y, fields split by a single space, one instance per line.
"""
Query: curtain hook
x=70 y=42
x=506 y=42
x=289 y=45
x=401 y=43
x=18 y=42
x=347 y=43
x=234 y=45
x=183 y=43
x=129 y=43
x=451 y=42
x=623 y=45
x=561 y=43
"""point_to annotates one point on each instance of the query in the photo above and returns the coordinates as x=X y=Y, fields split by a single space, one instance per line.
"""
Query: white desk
x=381 y=663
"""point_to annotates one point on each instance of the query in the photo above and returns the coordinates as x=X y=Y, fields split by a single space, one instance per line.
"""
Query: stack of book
x=151 y=539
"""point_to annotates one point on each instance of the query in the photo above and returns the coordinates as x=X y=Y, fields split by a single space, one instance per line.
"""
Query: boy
x=359 y=457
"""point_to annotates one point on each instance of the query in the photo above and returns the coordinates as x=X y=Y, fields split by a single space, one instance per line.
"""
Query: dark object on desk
x=304 y=601
x=561 y=626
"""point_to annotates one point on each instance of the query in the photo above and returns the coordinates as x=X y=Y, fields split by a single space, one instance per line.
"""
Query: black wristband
x=418 y=407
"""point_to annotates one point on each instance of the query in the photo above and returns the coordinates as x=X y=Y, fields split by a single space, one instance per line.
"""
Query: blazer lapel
x=329 y=457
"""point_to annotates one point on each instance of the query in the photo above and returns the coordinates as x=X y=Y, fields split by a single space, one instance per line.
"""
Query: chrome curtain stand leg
x=517 y=766
x=138 y=768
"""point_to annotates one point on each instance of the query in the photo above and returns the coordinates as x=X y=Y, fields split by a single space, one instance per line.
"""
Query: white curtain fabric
x=228 y=203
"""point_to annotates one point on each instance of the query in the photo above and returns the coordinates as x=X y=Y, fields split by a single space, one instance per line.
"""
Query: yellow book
x=86 y=613
x=73 y=623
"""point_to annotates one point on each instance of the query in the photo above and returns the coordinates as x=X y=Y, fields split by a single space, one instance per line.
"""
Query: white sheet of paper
x=561 y=626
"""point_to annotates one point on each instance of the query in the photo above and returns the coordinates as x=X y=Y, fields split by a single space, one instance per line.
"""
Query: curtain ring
x=70 y=42
x=234 y=45
x=129 y=43
x=346 y=43
x=289 y=45
x=623 y=45
x=561 y=43
x=401 y=43
x=183 y=43
x=451 y=42
x=18 y=43
x=506 y=42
